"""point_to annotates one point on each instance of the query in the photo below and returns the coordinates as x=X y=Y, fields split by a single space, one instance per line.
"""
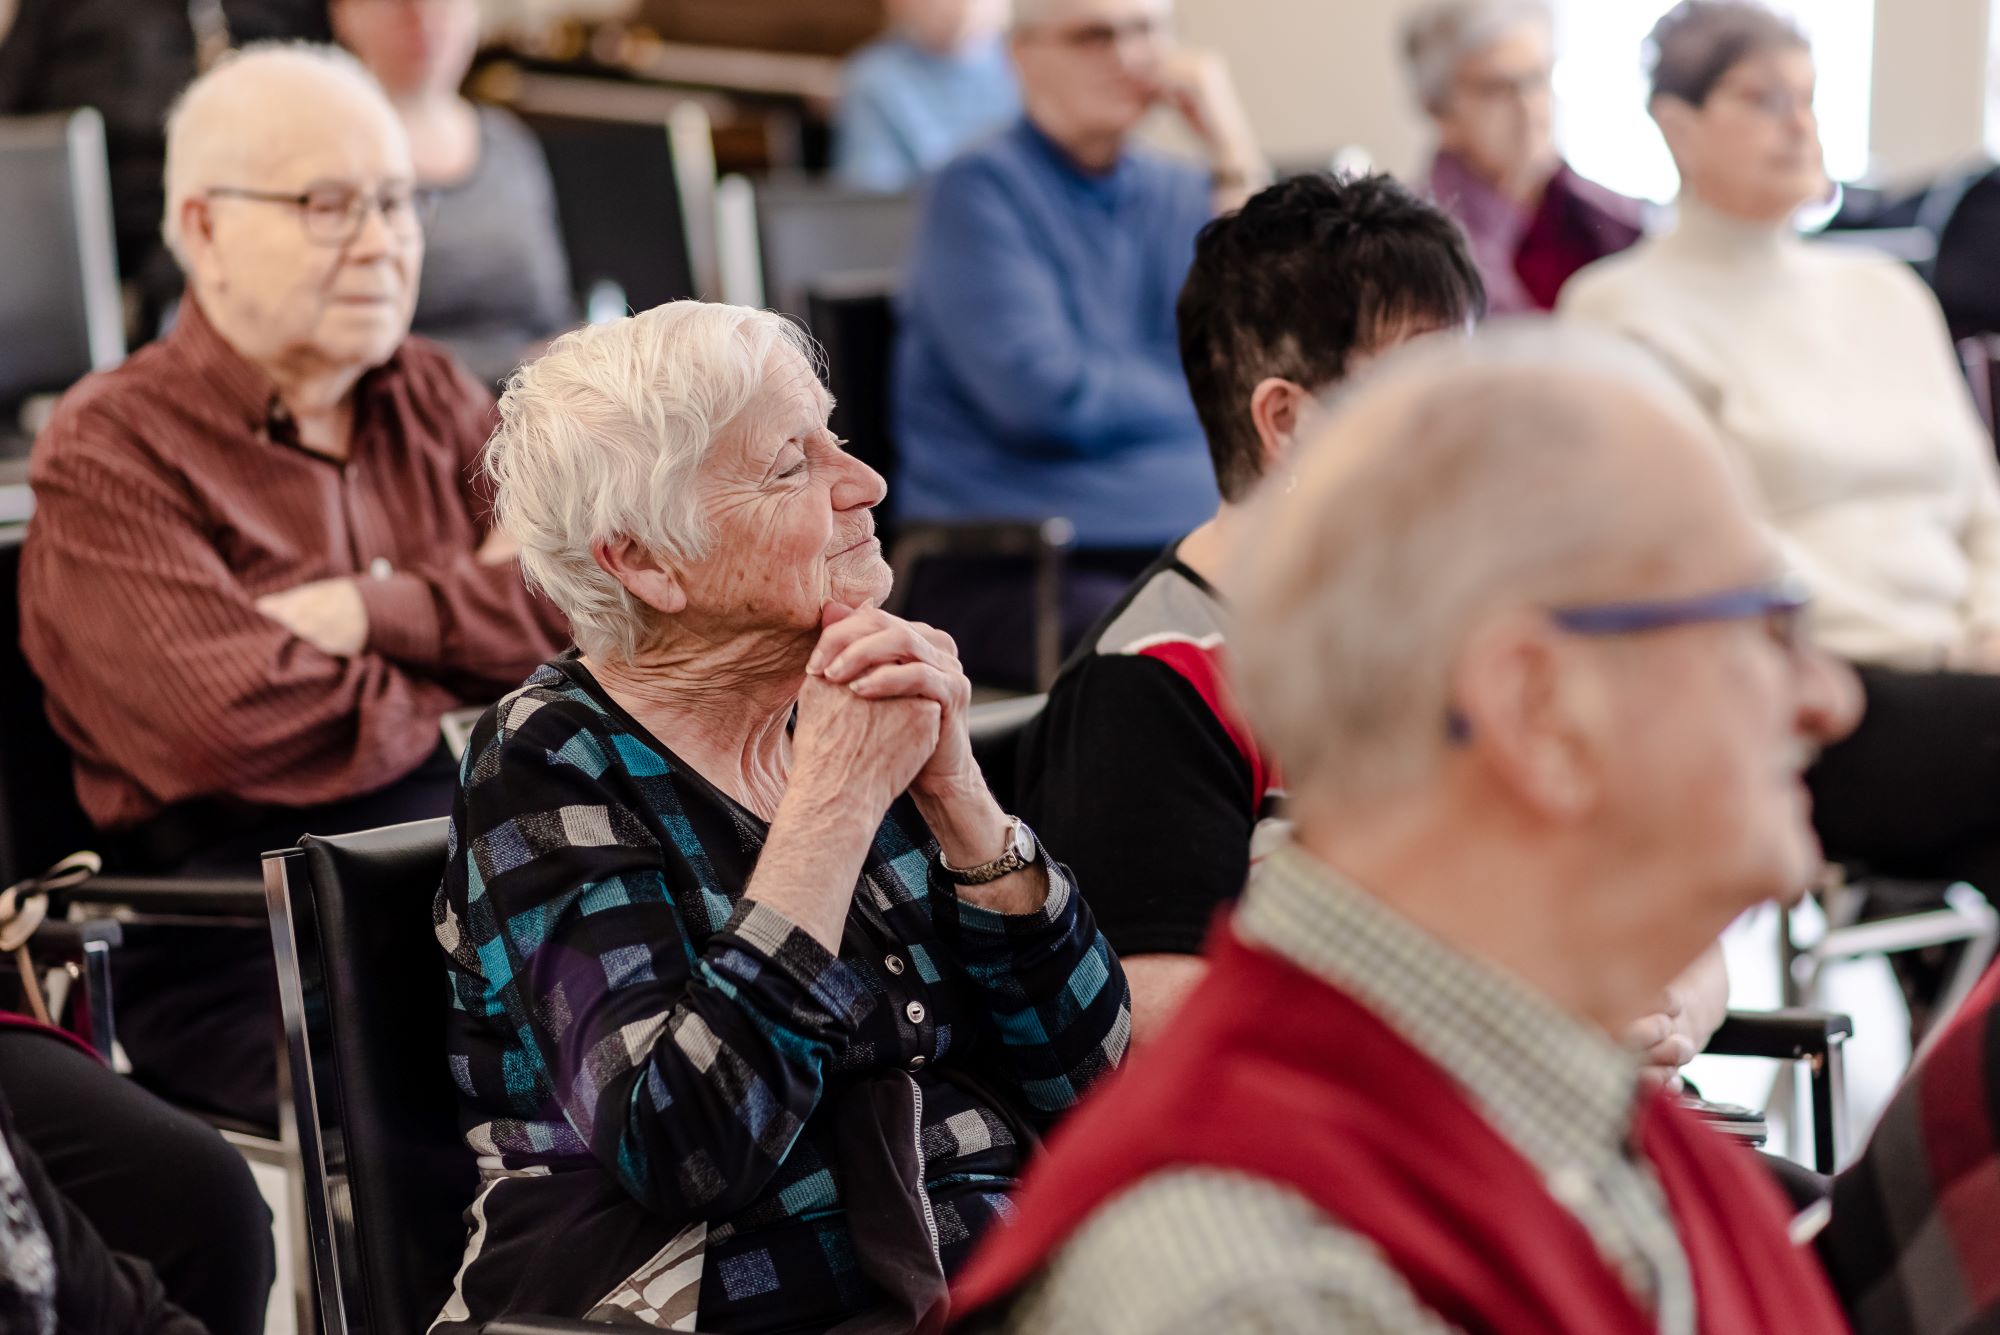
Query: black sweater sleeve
x=1129 y=777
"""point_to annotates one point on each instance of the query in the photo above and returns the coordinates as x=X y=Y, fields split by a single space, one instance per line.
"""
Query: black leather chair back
x=40 y=820
x=620 y=204
x=854 y=318
x=365 y=999
x=808 y=231
x=996 y=730
x=1968 y=250
x=60 y=315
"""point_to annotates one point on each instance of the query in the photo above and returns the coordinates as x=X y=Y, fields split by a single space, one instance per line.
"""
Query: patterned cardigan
x=652 y=1068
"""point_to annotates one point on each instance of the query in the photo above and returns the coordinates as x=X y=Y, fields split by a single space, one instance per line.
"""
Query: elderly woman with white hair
x=759 y=995
x=1483 y=69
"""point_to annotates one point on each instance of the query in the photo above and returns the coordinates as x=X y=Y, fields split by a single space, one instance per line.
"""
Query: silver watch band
x=1006 y=864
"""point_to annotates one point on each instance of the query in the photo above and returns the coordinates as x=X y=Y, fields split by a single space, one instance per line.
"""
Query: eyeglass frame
x=1777 y=103
x=1781 y=601
x=1097 y=38
x=422 y=205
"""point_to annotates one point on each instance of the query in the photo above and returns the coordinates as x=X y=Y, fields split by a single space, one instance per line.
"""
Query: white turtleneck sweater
x=1830 y=371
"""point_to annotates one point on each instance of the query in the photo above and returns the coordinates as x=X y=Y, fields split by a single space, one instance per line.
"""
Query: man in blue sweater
x=1037 y=372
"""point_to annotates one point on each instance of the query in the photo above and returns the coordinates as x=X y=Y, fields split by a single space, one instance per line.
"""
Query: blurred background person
x=1483 y=70
x=937 y=82
x=129 y=59
x=1037 y=372
x=1829 y=372
x=272 y=508
x=495 y=282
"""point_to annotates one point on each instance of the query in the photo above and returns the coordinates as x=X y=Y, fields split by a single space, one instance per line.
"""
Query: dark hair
x=1699 y=41
x=1296 y=282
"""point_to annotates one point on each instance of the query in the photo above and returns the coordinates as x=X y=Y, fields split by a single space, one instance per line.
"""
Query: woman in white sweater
x=1831 y=371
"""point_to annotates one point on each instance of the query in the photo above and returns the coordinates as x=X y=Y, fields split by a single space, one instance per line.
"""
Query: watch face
x=1023 y=846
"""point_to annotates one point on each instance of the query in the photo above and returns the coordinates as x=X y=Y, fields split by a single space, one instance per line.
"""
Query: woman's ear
x=1278 y=408
x=642 y=572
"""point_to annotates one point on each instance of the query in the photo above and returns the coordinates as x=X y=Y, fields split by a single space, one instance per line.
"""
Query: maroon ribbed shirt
x=170 y=494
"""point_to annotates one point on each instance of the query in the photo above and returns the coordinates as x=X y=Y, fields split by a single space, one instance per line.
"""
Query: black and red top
x=1144 y=774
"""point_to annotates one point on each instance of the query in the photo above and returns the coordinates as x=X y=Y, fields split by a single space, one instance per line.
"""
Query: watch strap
x=1009 y=862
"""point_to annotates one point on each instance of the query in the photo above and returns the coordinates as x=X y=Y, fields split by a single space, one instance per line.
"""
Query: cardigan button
x=915 y=1010
x=893 y=963
x=917 y=1062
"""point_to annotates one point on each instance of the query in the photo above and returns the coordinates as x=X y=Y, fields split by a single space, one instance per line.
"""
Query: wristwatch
x=1022 y=850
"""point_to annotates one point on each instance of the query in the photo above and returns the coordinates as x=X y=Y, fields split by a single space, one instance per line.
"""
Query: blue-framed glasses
x=1781 y=603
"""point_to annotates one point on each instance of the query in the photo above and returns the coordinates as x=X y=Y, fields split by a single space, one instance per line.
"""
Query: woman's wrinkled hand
x=862 y=743
x=880 y=657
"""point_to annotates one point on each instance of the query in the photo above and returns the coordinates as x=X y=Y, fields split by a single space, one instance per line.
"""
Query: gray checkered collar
x=1559 y=1089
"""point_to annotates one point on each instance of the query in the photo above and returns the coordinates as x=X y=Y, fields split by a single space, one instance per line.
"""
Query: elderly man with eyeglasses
x=259 y=574
x=1038 y=371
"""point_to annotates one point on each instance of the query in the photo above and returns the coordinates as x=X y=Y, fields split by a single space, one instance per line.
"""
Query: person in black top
x=56 y=1274
x=1139 y=768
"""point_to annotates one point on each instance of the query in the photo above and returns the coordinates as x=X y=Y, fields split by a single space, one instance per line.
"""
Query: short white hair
x=604 y=437
x=1453 y=481
x=215 y=129
x=1439 y=36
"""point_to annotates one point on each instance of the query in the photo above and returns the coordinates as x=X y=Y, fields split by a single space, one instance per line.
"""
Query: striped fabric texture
x=171 y=493
x=648 y=1062
x=1914 y=1243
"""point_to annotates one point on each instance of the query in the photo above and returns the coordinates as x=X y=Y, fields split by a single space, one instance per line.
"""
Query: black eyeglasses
x=1782 y=603
x=333 y=212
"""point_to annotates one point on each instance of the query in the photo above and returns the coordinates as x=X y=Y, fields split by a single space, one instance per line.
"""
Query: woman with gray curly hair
x=1482 y=70
x=758 y=992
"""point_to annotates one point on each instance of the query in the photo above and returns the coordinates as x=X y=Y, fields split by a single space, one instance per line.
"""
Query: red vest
x=1271 y=1072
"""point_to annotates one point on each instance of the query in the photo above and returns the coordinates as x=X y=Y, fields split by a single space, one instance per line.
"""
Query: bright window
x=1601 y=120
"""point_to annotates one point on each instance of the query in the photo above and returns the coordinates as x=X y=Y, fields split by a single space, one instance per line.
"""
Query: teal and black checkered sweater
x=653 y=1069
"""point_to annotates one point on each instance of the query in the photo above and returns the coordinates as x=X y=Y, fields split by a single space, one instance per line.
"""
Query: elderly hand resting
x=327 y=614
x=1689 y=1012
x=884 y=658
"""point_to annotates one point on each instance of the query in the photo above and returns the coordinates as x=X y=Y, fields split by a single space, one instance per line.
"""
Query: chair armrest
x=544 y=1325
x=1782 y=1035
x=68 y=939
x=216 y=896
x=916 y=539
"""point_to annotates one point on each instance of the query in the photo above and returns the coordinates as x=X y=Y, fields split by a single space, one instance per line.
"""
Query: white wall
x=1319 y=74
x=1930 y=82
x=1316 y=75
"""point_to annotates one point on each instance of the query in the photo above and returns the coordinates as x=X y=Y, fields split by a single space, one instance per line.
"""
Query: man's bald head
x=1527 y=467
x=257 y=111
